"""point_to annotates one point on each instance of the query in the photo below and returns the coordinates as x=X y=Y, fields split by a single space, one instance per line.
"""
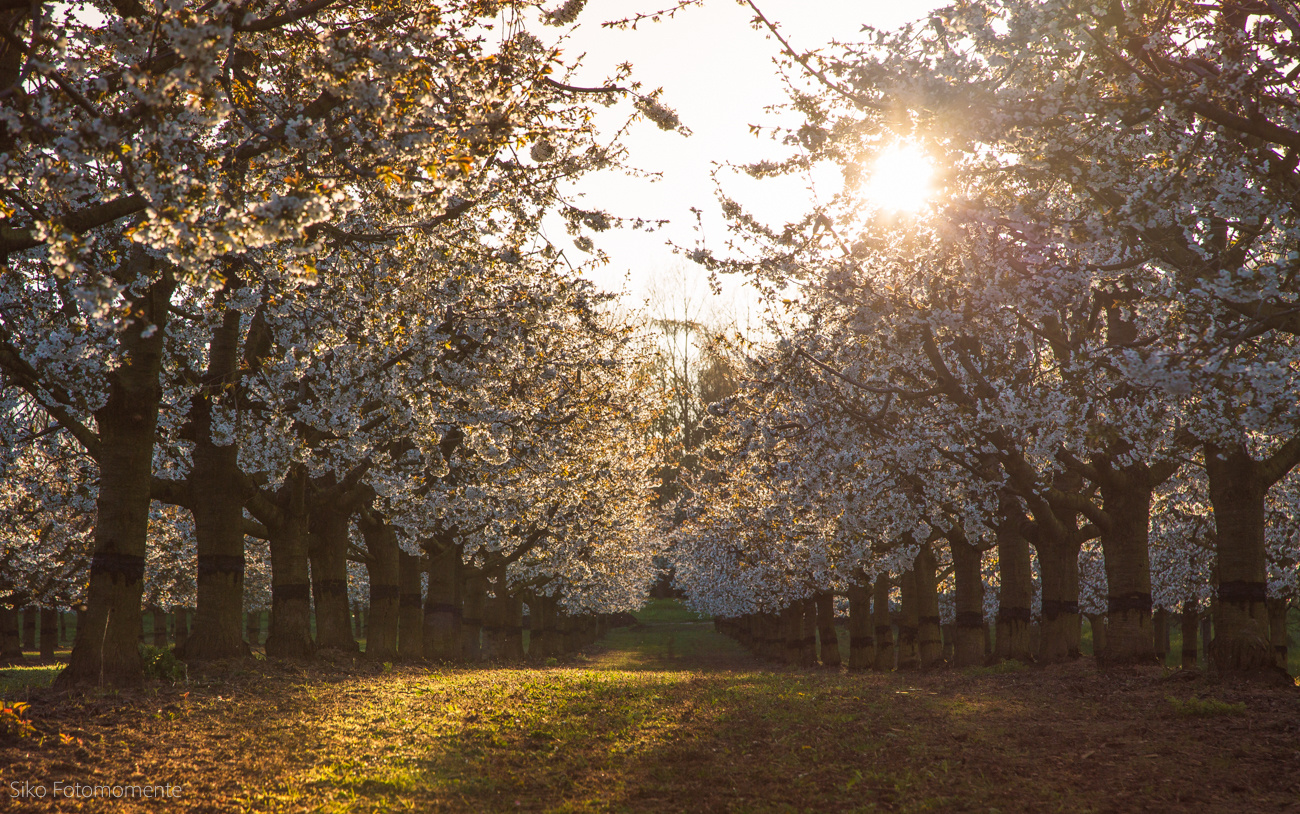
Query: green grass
x=1204 y=707
x=667 y=611
x=17 y=683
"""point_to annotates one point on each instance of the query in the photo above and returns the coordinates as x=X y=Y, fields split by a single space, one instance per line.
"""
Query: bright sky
x=717 y=73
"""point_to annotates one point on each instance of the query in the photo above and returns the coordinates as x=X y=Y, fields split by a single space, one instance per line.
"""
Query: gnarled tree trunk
x=106 y=650
x=217 y=503
x=473 y=612
x=286 y=521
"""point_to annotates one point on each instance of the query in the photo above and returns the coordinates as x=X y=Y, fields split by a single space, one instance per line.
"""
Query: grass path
x=669 y=717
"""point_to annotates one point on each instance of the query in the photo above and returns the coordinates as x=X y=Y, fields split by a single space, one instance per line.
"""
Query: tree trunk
x=929 y=638
x=792 y=632
x=1160 y=627
x=541 y=644
x=11 y=643
x=385 y=593
x=253 y=628
x=1097 y=621
x=909 y=621
x=1277 y=607
x=1015 y=590
x=217 y=503
x=968 y=630
x=1058 y=564
x=1241 y=626
x=1188 y=622
x=328 y=552
x=808 y=628
x=884 y=628
x=494 y=621
x=442 y=606
x=410 y=623
x=512 y=630
x=830 y=643
x=289 y=633
x=1126 y=498
x=106 y=651
x=473 y=609
x=50 y=633
x=29 y=628
x=862 y=639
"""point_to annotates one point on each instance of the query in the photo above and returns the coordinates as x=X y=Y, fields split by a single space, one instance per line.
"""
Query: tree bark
x=1277 y=607
x=328 y=551
x=885 y=656
x=11 y=643
x=1058 y=563
x=289 y=633
x=50 y=633
x=1188 y=621
x=862 y=639
x=442 y=605
x=1241 y=627
x=512 y=627
x=106 y=651
x=29 y=628
x=909 y=621
x=217 y=503
x=830 y=643
x=1126 y=499
x=473 y=610
x=1015 y=588
x=929 y=637
x=1160 y=627
x=410 y=623
x=968 y=645
x=382 y=566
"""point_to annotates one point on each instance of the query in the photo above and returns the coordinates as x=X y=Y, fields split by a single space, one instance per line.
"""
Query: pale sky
x=717 y=73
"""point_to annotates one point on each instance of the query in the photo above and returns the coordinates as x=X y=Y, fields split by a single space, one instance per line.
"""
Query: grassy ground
x=667 y=717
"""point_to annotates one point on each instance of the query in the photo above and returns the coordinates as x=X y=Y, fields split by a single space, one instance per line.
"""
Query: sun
x=900 y=178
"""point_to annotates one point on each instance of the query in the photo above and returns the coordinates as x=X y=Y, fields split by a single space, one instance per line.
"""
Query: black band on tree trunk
x=127 y=567
x=1014 y=615
x=1241 y=592
x=1123 y=603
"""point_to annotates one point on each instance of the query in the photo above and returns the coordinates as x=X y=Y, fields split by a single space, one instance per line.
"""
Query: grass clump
x=1001 y=667
x=1204 y=707
x=161 y=663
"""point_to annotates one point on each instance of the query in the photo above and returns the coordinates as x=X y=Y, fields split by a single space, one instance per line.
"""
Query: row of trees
x=280 y=272
x=1082 y=352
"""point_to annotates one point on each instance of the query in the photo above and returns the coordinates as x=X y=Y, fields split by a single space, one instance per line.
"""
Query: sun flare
x=900 y=179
